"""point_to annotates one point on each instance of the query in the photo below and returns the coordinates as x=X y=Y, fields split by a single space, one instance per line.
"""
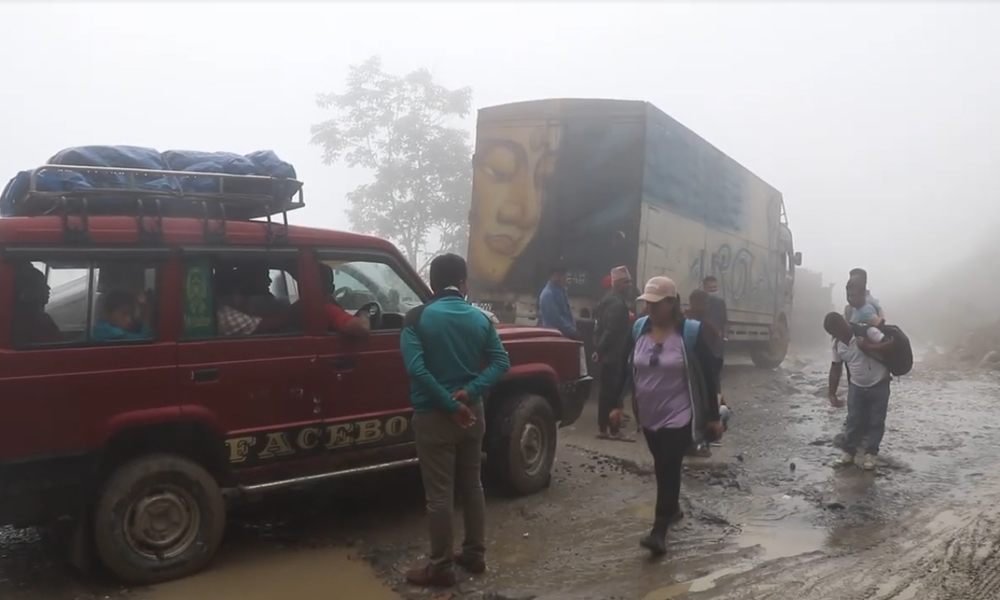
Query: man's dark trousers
x=607 y=397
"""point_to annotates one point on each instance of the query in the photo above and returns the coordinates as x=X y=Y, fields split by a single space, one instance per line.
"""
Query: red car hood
x=520 y=332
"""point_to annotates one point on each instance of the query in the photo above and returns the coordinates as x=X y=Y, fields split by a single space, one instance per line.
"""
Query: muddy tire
x=771 y=354
x=521 y=444
x=157 y=518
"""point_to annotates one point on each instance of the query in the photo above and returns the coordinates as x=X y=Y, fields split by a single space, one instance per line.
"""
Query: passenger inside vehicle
x=338 y=319
x=260 y=301
x=233 y=316
x=118 y=319
x=32 y=325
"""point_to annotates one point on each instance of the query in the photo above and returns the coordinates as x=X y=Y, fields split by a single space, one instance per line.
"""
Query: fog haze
x=878 y=122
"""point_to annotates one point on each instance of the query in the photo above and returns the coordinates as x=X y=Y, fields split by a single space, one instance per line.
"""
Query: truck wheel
x=157 y=518
x=521 y=444
x=772 y=354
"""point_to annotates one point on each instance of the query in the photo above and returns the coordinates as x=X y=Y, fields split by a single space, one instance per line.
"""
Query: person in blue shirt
x=117 y=320
x=553 y=305
x=445 y=344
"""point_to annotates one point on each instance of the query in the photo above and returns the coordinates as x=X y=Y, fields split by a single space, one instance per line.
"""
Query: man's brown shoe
x=427 y=576
x=473 y=564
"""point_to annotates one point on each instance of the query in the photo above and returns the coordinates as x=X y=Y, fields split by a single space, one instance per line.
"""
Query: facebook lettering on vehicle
x=251 y=450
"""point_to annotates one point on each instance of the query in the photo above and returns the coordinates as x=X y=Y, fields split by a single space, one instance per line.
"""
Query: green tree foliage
x=398 y=127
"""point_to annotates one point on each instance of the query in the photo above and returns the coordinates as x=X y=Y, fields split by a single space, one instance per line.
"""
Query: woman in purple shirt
x=675 y=395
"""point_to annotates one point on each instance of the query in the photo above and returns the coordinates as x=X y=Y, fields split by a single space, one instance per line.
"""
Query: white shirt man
x=865 y=370
x=868 y=387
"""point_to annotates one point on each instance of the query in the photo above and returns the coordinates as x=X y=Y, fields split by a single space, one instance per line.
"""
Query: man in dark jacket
x=611 y=343
x=717 y=316
x=445 y=344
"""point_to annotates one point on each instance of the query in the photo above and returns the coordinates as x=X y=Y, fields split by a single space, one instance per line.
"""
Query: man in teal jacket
x=444 y=343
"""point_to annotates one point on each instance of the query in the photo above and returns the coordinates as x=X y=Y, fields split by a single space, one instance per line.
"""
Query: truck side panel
x=705 y=214
x=669 y=245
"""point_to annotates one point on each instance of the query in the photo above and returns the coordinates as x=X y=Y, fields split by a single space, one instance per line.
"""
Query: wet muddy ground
x=767 y=516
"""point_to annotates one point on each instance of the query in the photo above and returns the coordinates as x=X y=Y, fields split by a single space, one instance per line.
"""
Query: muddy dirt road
x=768 y=517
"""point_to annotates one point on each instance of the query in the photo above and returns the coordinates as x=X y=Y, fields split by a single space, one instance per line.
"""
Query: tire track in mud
x=969 y=567
x=949 y=554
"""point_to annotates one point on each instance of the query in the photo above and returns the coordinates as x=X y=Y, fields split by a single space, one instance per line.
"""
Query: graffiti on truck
x=746 y=282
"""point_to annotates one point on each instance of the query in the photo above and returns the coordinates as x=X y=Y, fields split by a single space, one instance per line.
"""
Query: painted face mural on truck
x=559 y=190
x=512 y=168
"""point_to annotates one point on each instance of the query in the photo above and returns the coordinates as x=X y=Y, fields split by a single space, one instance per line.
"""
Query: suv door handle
x=341 y=363
x=203 y=375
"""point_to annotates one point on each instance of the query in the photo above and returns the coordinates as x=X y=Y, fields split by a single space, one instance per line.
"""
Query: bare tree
x=398 y=127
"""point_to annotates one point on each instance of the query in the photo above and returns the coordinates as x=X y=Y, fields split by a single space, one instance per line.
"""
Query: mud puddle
x=267 y=573
x=756 y=544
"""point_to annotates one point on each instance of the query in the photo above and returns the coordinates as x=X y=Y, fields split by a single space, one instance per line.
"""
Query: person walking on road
x=868 y=386
x=671 y=371
x=717 y=316
x=611 y=343
x=553 y=305
x=697 y=306
x=444 y=343
x=861 y=310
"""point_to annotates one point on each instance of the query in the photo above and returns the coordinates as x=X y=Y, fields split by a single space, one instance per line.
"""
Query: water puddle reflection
x=889 y=589
x=266 y=574
x=774 y=543
x=782 y=542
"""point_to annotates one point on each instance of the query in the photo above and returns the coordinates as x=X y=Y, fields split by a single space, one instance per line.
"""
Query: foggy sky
x=878 y=123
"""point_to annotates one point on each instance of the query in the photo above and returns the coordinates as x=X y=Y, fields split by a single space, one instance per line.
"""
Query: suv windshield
x=359 y=282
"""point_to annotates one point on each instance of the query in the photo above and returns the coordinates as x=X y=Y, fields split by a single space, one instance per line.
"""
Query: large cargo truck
x=592 y=184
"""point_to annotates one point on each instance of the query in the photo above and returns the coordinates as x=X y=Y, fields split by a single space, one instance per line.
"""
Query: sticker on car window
x=198 y=300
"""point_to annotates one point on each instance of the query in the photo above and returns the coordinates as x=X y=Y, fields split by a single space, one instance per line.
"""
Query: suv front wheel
x=521 y=444
x=158 y=517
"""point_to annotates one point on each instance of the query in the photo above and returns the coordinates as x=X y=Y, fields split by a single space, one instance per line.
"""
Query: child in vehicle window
x=117 y=321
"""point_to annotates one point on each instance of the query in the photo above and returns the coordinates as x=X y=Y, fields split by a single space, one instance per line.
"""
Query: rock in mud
x=991 y=360
x=511 y=595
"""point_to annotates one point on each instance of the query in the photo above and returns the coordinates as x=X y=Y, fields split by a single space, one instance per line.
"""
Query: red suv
x=126 y=407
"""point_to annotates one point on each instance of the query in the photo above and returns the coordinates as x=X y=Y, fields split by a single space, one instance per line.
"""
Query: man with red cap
x=606 y=284
x=611 y=343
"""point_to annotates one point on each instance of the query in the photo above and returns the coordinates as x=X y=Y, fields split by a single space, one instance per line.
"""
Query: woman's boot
x=656 y=541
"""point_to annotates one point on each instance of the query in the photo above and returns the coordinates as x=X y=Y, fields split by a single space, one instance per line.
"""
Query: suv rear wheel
x=521 y=444
x=158 y=517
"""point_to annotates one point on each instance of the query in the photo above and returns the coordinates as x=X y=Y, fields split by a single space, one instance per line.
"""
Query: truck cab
x=771 y=353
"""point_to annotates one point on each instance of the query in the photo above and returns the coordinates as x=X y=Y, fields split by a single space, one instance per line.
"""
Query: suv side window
x=80 y=302
x=359 y=282
x=225 y=298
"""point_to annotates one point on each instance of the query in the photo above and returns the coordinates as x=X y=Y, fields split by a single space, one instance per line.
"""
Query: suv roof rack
x=151 y=194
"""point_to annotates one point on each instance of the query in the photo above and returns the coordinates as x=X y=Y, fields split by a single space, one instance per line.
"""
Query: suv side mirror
x=798 y=259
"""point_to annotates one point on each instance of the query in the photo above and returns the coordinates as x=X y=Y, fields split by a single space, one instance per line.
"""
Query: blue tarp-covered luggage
x=174 y=188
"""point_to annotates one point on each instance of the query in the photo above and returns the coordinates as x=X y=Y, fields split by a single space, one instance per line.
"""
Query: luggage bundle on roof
x=90 y=180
